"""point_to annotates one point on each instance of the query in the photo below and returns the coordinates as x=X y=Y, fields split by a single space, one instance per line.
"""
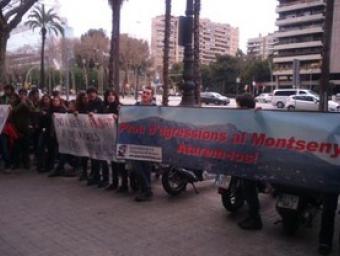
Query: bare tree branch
x=4 y=3
x=24 y=7
x=11 y=13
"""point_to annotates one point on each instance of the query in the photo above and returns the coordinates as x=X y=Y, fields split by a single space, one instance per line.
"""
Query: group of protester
x=29 y=139
x=29 y=131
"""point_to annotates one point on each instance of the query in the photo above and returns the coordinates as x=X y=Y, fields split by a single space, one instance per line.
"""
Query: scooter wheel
x=232 y=201
x=173 y=182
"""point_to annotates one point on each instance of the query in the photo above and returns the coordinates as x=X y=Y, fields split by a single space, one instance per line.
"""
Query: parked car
x=309 y=103
x=281 y=96
x=264 y=97
x=214 y=98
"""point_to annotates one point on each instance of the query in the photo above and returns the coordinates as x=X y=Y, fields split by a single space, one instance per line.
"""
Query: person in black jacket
x=81 y=108
x=34 y=140
x=22 y=121
x=56 y=107
x=95 y=106
x=43 y=121
x=111 y=105
x=254 y=220
x=142 y=169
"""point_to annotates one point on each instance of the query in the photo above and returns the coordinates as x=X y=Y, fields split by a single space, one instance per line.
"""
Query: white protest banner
x=4 y=112
x=87 y=136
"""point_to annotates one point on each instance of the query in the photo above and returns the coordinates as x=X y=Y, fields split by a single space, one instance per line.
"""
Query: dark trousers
x=106 y=172
x=52 y=150
x=5 y=151
x=251 y=197
x=42 y=149
x=21 y=151
x=142 y=171
x=330 y=204
x=84 y=163
x=35 y=143
x=121 y=173
x=95 y=169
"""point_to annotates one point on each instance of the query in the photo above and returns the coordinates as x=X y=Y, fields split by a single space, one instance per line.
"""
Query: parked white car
x=280 y=96
x=264 y=97
x=309 y=103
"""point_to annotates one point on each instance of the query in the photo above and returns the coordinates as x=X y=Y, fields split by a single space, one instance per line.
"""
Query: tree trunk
x=135 y=74
x=42 y=60
x=114 y=50
x=126 y=80
x=197 y=65
x=166 y=52
x=3 y=45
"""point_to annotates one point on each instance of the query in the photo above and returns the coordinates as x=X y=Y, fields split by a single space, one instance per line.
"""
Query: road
x=175 y=101
x=43 y=216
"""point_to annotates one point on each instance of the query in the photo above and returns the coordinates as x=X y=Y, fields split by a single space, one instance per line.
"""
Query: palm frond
x=40 y=18
x=57 y=28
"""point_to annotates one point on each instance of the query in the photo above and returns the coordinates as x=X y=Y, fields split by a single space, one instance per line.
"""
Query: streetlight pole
x=188 y=98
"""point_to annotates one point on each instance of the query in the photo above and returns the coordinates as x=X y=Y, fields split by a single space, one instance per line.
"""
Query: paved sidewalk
x=41 y=216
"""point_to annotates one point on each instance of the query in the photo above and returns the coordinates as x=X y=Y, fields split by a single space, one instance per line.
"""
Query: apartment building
x=300 y=36
x=215 y=38
x=261 y=46
x=157 y=40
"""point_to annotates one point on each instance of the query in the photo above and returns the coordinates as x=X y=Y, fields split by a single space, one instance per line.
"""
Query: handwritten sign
x=82 y=135
x=4 y=112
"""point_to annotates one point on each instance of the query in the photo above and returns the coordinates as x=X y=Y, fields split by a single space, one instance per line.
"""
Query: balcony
x=298 y=45
x=301 y=19
x=289 y=72
x=298 y=5
x=299 y=32
x=297 y=57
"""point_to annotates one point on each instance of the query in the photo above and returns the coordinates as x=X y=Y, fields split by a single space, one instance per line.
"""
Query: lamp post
x=188 y=98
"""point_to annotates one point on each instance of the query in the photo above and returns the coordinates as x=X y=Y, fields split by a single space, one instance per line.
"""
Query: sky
x=251 y=17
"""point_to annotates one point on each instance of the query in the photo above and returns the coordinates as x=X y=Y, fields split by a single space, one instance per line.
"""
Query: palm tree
x=197 y=66
x=166 y=52
x=48 y=22
x=114 y=51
